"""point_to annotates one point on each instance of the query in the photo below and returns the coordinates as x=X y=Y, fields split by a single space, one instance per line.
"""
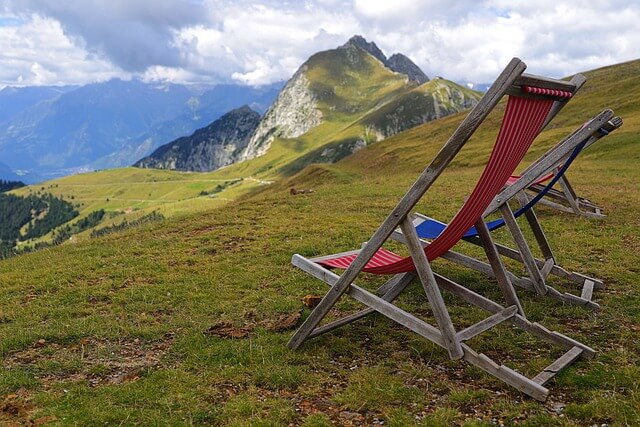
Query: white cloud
x=258 y=42
x=37 y=52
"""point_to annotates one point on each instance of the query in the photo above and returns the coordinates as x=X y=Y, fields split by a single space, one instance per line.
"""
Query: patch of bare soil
x=16 y=410
x=281 y=323
x=99 y=362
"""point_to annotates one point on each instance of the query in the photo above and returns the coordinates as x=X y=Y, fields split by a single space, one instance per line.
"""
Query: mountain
x=14 y=100
x=209 y=148
x=357 y=99
x=293 y=114
x=430 y=101
x=402 y=64
x=337 y=102
x=397 y=62
x=369 y=47
x=7 y=174
x=59 y=131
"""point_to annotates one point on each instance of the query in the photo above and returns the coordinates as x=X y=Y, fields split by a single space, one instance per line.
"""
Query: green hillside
x=185 y=321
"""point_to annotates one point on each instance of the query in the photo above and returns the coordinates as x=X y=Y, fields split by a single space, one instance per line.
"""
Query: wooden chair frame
x=444 y=334
x=565 y=199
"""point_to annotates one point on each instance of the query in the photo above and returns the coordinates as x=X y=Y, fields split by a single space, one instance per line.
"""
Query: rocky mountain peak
x=370 y=47
x=294 y=112
x=397 y=62
x=402 y=64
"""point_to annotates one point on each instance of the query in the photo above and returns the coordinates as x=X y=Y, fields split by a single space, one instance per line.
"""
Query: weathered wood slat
x=341 y=322
x=523 y=247
x=527 y=79
x=574 y=299
x=398 y=278
x=497 y=266
x=580 y=278
x=518 y=320
x=486 y=324
x=546 y=268
x=431 y=289
x=587 y=290
x=536 y=228
x=561 y=363
x=393 y=287
x=506 y=374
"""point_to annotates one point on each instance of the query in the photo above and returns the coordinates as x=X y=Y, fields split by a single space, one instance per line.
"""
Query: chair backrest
x=523 y=120
x=528 y=110
x=565 y=153
x=562 y=154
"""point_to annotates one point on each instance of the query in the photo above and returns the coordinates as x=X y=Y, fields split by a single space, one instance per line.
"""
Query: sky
x=57 y=42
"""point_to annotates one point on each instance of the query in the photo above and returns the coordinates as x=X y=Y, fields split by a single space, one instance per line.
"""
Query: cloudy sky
x=46 y=42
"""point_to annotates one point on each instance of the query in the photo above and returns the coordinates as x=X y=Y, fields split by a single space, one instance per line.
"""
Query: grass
x=114 y=330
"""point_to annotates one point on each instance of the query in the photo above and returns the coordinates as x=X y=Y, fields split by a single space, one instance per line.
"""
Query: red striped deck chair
x=558 y=159
x=532 y=101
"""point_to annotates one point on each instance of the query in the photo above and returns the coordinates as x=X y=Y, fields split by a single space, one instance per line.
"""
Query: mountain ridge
x=397 y=62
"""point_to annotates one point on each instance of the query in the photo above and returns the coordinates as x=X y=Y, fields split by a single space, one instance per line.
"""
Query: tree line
x=36 y=214
x=6 y=185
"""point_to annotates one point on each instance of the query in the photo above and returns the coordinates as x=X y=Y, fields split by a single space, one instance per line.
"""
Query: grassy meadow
x=185 y=321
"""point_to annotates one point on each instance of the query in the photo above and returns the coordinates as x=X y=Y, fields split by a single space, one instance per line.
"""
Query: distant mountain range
x=354 y=87
x=53 y=131
x=7 y=174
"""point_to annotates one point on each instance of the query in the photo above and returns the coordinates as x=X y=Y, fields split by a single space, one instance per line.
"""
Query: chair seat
x=382 y=258
x=431 y=228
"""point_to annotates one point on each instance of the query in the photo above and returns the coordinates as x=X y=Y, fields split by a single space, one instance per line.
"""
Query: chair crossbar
x=558 y=365
x=587 y=290
x=487 y=323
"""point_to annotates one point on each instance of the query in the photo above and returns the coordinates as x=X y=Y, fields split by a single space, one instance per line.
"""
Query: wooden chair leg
x=570 y=195
x=536 y=228
x=431 y=289
x=523 y=247
x=499 y=270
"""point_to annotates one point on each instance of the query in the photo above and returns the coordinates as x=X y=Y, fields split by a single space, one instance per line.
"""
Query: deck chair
x=565 y=198
x=558 y=159
x=531 y=102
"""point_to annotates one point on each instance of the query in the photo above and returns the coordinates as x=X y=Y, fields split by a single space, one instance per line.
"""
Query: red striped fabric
x=522 y=121
x=551 y=92
x=380 y=259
